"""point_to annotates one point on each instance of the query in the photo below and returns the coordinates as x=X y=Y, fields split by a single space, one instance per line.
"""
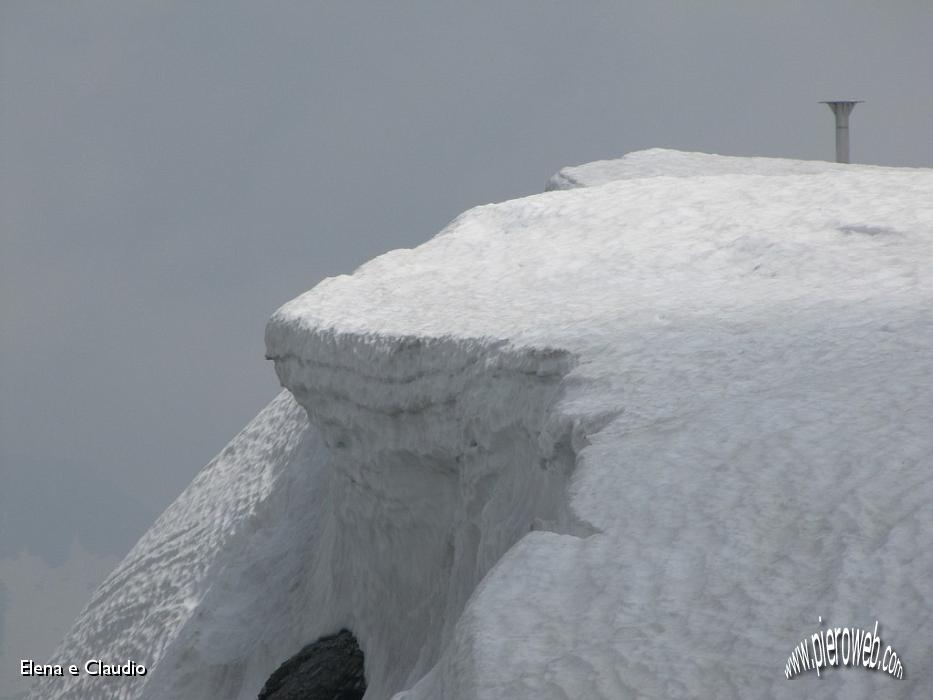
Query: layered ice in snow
x=628 y=438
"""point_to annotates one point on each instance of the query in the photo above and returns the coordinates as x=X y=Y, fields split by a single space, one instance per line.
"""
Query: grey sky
x=172 y=172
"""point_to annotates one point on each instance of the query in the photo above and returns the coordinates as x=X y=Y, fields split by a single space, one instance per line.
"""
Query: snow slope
x=38 y=603
x=57 y=544
x=627 y=440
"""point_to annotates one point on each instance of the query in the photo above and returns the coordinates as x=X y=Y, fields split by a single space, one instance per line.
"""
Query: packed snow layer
x=629 y=440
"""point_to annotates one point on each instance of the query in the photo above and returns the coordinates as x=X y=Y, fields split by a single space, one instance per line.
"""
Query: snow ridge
x=658 y=162
x=625 y=440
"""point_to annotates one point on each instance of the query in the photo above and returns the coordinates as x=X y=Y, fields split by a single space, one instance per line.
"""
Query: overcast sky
x=170 y=173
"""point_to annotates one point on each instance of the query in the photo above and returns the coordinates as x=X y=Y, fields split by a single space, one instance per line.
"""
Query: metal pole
x=842 y=109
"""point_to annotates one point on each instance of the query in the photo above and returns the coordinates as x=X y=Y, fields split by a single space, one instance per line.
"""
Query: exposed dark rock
x=329 y=669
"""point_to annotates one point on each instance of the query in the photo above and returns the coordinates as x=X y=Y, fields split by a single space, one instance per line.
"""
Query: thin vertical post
x=842 y=109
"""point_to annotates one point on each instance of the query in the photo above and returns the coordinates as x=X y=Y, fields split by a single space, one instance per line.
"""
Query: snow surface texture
x=628 y=440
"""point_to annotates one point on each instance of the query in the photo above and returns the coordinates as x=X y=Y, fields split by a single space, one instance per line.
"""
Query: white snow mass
x=625 y=439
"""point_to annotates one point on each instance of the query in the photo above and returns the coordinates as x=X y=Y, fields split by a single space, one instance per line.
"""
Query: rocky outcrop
x=329 y=669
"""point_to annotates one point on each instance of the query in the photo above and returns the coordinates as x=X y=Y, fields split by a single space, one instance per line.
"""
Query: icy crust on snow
x=656 y=162
x=621 y=441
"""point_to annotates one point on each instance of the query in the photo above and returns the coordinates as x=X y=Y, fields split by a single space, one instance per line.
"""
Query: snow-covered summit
x=626 y=440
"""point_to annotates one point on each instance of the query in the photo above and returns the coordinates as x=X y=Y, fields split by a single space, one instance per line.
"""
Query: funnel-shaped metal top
x=842 y=109
x=841 y=105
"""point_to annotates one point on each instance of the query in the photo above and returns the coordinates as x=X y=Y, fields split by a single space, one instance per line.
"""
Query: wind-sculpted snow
x=628 y=440
x=424 y=461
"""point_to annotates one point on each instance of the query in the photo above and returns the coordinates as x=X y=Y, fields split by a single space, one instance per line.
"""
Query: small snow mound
x=657 y=162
